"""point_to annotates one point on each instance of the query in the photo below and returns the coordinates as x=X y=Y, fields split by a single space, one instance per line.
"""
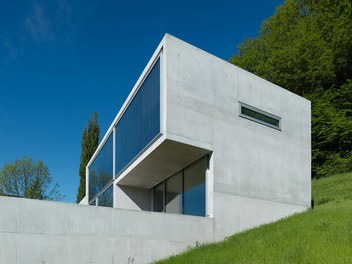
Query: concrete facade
x=254 y=166
x=201 y=97
x=49 y=232
x=255 y=174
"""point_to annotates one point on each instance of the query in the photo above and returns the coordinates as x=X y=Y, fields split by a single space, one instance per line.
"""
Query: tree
x=306 y=47
x=89 y=143
x=29 y=179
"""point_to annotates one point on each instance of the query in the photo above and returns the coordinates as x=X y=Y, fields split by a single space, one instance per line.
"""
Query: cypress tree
x=89 y=143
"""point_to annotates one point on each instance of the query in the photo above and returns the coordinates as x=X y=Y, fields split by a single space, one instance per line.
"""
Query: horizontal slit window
x=260 y=116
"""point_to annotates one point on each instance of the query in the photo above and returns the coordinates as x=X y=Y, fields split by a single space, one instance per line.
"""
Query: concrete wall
x=48 y=232
x=252 y=162
x=132 y=198
x=234 y=213
x=256 y=174
x=84 y=200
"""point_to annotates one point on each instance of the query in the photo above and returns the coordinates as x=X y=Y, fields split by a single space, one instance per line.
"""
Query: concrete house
x=200 y=150
x=200 y=137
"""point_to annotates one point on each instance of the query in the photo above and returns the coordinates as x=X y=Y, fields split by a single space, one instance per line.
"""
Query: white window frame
x=259 y=111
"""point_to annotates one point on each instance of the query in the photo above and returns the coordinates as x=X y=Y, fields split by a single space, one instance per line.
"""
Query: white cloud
x=64 y=22
x=64 y=12
x=50 y=21
x=38 y=25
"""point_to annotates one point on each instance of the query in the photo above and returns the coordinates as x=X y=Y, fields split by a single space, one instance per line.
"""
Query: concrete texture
x=167 y=159
x=200 y=112
x=250 y=160
x=132 y=198
x=84 y=200
x=246 y=213
x=34 y=231
x=256 y=174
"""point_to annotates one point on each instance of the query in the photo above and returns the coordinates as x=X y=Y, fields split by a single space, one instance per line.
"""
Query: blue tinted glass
x=100 y=171
x=106 y=198
x=194 y=189
x=140 y=123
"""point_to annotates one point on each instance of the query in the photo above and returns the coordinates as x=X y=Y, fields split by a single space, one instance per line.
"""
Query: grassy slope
x=321 y=235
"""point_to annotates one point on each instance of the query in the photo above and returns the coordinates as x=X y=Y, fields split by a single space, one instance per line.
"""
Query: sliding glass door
x=184 y=192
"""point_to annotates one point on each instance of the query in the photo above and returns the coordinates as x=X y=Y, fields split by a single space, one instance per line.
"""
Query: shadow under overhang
x=164 y=161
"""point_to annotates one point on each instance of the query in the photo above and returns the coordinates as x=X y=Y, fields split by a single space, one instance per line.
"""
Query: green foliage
x=29 y=179
x=306 y=47
x=321 y=235
x=332 y=130
x=89 y=143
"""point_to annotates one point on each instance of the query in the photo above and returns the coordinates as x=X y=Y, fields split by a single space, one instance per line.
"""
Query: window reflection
x=106 y=198
x=101 y=170
x=194 y=189
x=140 y=123
x=184 y=191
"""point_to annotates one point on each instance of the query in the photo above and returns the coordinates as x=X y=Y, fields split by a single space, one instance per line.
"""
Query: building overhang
x=164 y=161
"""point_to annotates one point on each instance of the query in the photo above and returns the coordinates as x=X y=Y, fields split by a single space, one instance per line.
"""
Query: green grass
x=334 y=188
x=321 y=235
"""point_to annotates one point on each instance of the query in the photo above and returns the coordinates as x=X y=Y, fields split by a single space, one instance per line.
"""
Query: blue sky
x=61 y=60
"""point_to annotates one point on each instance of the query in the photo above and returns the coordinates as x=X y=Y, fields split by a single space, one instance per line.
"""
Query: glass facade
x=101 y=170
x=184 y=192
x=194 y=189
x=136 y=128
x=106 y=198
x=140 y=123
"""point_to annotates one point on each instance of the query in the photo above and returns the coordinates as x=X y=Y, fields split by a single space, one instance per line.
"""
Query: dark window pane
x=259 y=116
x=106 y=198
x=194 y=189
x=100 y=171
x=173 y=195
x=140 y=123
x=159 y=197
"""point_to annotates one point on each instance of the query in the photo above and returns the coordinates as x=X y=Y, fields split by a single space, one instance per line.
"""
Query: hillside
x=321 y=235
x=306 y=48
